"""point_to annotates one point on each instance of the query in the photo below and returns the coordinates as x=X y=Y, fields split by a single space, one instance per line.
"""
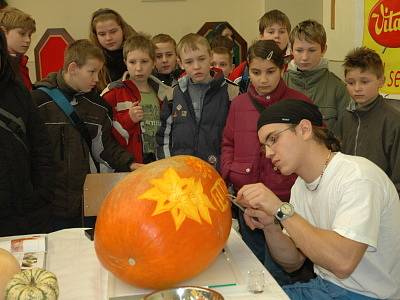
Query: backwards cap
x=290 y=111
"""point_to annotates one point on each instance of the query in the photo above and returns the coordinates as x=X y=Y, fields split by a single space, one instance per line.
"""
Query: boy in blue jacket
x=192 y=123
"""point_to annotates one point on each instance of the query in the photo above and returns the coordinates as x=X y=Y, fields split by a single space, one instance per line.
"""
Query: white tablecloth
x=72 y=258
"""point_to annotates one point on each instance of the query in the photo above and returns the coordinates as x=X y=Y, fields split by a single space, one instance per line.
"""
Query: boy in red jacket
x=136 y=100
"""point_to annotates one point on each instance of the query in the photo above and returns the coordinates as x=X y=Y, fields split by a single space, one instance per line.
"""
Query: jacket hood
x=50 y=81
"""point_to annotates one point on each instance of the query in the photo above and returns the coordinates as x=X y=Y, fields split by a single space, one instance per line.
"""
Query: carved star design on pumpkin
x=182 y=197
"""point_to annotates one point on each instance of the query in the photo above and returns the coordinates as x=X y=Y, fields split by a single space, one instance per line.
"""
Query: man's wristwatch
x=285 y=211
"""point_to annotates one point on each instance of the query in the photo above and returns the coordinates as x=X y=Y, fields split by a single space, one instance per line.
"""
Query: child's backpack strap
x=14 y=125
x=62 y=102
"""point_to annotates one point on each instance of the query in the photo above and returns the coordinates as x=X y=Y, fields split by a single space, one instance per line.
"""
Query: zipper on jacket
x=83 y=147
x=357 y=132
x=62 y=143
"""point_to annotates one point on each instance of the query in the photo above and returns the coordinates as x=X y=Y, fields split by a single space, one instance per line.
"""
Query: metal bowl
x=185 y=293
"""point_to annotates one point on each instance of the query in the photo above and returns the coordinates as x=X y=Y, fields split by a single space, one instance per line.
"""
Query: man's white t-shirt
x=356 y=199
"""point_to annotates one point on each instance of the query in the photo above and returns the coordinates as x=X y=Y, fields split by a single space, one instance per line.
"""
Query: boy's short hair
x=223 y=50
x=140 y=42
x=365 y=59
x=163 y=38
x=311 y=31
x=271 y=17
x=11 y=18
x=80 y=52
x=192 y=41
x=222 y=42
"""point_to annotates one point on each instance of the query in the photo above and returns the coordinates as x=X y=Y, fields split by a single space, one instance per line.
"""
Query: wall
x=348 y=27
x=298 y=10
x=174 y=17
x=348 y=31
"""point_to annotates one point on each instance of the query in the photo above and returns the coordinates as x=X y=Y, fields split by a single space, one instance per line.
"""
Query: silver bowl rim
x=185 y=287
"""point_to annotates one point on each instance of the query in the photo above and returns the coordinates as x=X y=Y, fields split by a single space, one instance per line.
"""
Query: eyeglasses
x=273 y=138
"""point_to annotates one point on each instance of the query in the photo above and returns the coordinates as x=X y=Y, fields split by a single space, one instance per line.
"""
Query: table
x=71 y=256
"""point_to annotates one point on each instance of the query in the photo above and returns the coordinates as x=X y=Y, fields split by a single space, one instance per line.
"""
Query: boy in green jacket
x=308 y=72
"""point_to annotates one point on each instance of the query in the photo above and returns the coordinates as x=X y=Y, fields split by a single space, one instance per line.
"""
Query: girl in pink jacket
x=241 y=160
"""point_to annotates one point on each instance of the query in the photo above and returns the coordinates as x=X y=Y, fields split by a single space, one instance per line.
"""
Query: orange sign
x=382 y=33
x=384 y=23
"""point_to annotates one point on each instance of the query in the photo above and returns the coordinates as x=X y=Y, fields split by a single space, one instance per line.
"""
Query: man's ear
x=305 y=129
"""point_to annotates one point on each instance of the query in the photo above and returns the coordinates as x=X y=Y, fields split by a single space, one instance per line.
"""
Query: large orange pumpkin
x=163 y=223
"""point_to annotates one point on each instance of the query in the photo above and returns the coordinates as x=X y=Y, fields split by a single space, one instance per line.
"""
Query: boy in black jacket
x=81 y=146
x=26 y=164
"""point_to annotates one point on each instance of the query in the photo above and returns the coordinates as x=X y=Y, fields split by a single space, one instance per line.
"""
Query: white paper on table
x=30 y=251
x=35 y=243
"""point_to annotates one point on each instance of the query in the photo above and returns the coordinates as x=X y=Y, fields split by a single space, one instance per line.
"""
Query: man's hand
x=258 y=196
x=136 y=112
x=134 y=166
x=256 y=218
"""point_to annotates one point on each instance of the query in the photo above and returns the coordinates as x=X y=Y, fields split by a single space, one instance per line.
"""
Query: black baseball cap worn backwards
x=290 y=111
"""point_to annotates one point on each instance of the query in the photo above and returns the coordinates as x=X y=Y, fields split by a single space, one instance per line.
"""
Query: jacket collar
x=273 y=97
x=312 y=77
x=323 y=64
x=68 y=91
x=162 y=90
x=354 y=107
x=217 y=80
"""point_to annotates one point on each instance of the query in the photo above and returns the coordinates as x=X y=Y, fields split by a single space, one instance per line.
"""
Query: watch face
x=286 y=209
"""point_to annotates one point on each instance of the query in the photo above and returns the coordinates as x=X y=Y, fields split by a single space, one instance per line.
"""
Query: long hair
x=104 y=14
x=325 y=136
x=266 y=49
